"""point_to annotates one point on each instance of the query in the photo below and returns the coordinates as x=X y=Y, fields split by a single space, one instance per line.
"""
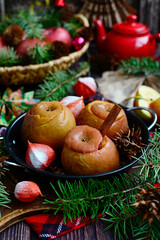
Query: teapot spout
x=101 y=34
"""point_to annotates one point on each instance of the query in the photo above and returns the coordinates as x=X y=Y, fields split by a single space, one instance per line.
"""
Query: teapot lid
x=131 y=26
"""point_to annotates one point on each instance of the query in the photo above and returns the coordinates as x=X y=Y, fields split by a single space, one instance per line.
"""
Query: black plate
x=17 y=150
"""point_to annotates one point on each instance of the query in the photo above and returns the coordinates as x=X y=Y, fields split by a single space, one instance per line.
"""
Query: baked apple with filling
x=47 y=123
x=97 y=111
x=86 y=152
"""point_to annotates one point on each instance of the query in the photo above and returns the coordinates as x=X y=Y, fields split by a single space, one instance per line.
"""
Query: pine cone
x=13 y=35
x=129 y=144
x=148 y=203
x=60 y=49
x=86 y=33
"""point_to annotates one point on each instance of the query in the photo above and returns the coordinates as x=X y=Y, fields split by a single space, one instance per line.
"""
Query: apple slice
x=155 y=106
x=144 y=96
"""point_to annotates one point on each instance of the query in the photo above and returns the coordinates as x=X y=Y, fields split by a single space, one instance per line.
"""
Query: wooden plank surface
x=94 y=231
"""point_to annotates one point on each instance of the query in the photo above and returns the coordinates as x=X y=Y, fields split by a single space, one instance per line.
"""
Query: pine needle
x=144 y=66
x=59 y=84
x=8 y=57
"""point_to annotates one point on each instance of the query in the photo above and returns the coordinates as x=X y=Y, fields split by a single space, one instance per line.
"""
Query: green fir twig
x=4 y=195
x=8 y=57
x=40 y=54
x=144 y=66
x=57 y=85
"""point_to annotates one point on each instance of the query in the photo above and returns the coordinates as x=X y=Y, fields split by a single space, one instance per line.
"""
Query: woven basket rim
x=53 y=62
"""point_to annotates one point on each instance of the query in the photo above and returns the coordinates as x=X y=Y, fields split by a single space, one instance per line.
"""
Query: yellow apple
x=144 y=97
x=155 y=106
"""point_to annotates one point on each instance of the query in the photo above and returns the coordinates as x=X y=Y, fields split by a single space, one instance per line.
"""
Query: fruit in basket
x=57 y=34
x=2 y=44
x=39 y=155
x=28 y=44
x=97 y=111
x=86 y=152
x=47 y=123
x=74 y=103
x=85 y=87
x=27 y=191
x=144 y=97
x=155 y=106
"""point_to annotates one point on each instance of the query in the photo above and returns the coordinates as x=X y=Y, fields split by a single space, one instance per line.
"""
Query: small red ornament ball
x=85 y=87
x=59 y=3
x=78 y=43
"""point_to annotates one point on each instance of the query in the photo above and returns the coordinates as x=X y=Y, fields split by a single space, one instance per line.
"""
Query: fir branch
x=149 y=165
x=144 y=66
x=51 y=18
x=8 y=57
x=4 y=196
x=57 y=85
x=92 y=196
x=72 y=26
x=28 y=22
x=40 y=54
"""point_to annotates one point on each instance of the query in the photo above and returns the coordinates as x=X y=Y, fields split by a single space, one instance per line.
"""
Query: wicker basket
x=35 y=73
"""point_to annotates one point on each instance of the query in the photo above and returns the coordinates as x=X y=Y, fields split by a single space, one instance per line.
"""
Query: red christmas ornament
x=78 y=43
x=59 y=3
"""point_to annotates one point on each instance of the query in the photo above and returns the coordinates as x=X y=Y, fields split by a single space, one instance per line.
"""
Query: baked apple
x=86 y=152
x=97 y=111
x=47 y=123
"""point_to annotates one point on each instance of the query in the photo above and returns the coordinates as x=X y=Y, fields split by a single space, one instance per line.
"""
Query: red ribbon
x=59 y=3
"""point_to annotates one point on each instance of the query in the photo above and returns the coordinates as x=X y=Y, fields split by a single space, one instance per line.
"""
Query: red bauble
x=78 y=43
x=59 y=3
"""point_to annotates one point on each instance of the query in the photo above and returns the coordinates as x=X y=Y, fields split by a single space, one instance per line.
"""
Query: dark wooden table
x=94 y=231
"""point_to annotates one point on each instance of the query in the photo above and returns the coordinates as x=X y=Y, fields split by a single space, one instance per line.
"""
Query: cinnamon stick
x=110 y=119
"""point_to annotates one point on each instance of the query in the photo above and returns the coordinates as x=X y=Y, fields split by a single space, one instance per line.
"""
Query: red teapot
x=126 y=39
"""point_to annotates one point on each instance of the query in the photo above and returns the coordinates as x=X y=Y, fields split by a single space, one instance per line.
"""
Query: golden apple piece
x=155 y=106
x=144 y=96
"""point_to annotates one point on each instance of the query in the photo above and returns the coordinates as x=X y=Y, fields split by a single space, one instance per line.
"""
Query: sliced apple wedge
x=144 y=96
x=155 y=106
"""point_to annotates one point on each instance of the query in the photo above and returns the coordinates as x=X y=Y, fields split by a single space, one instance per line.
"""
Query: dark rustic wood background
x=148 y=10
